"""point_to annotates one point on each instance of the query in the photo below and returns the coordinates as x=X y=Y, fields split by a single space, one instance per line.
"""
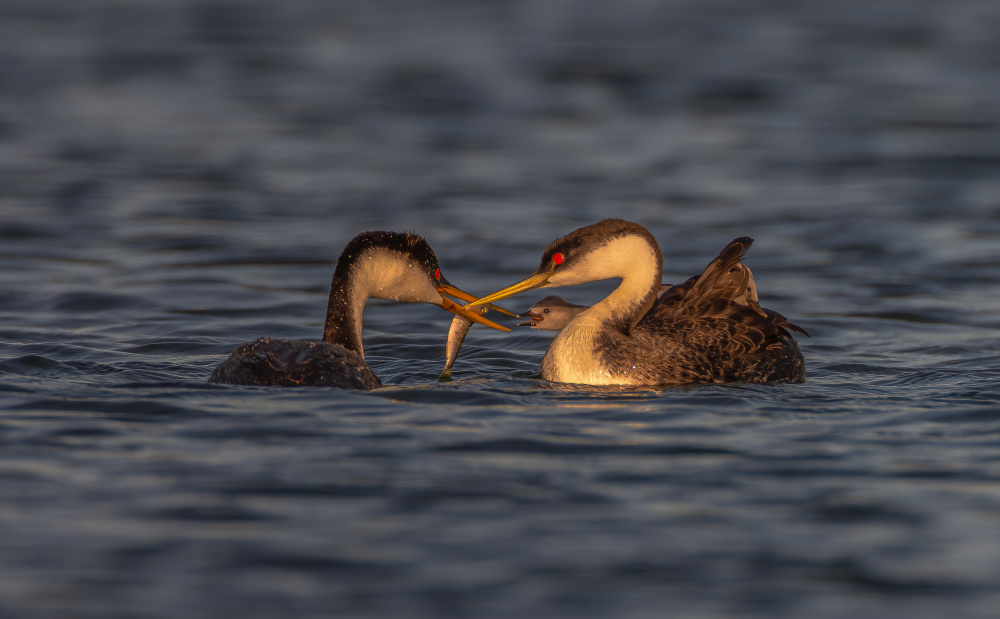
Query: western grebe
x=396 y=266
x=709 y=329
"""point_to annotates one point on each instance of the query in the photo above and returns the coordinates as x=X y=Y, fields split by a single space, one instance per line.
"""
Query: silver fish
x=456 y=335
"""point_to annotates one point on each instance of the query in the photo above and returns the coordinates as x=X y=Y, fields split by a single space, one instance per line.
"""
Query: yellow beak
x=455 y=308
x=535 y=281
x=458 y=293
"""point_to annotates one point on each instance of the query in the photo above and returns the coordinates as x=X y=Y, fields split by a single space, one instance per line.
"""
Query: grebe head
x=552 y=313
x=401 y=266
x=608 y=249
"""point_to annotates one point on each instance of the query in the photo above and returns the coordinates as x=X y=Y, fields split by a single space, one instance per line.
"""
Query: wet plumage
x=292 y=363
x=382 y=265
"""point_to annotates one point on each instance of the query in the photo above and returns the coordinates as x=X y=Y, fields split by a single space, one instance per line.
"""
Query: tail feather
x=726 y=280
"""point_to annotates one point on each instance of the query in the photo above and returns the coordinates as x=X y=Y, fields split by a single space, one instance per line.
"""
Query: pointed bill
x=535 y=281
x=472 y=315
x=458 y=293
x=533 y=319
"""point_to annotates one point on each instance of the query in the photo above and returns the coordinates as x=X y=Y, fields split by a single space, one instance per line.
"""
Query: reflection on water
x=178 y=177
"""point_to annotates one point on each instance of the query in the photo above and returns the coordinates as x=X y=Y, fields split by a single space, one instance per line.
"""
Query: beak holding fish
x=462 y=322
x=551 y=314
x=466 y=312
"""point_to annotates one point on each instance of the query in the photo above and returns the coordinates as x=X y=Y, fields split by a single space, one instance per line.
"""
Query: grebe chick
x=551 y=313
x=397 y=266
x=710 y=329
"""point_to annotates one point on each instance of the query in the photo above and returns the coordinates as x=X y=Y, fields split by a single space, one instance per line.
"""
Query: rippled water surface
x=179 y=177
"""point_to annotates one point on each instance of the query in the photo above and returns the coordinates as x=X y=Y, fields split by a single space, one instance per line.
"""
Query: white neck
x=631 y=258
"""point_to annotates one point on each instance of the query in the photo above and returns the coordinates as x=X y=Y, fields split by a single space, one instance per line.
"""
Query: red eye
x=437 y=274
x=557 y=258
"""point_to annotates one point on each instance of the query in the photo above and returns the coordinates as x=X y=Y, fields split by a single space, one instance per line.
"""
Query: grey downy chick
x=551 y=313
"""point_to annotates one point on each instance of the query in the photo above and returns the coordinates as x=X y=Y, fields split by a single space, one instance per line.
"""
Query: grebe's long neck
x=371 y=273
x=635 y=295
x=636 y=259
x=343 y=312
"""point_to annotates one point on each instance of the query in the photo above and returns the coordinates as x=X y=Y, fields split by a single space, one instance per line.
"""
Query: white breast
x=572 y=356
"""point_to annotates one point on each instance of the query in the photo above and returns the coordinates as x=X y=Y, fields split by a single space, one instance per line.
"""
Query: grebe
x=396 y=266
x=710 y=329
x=551 y=313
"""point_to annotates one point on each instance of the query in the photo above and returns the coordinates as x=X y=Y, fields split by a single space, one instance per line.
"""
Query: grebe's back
x=294 y=363
x=711 y=328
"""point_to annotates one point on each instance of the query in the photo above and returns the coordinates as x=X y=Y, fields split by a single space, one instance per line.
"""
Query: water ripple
x=179 y=177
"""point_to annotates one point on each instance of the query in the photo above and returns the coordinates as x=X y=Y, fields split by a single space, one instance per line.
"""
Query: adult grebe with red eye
x=711 y=329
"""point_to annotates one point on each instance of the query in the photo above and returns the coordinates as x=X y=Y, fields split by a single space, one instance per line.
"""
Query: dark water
x=178 y=177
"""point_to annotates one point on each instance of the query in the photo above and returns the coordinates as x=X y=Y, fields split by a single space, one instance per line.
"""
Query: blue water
x=179 y=177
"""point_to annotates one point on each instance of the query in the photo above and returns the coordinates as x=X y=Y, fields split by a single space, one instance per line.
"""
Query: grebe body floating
x=710 y=329
x=396 y=266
